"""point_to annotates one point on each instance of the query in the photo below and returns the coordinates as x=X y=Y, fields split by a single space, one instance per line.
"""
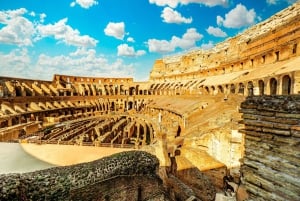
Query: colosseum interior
x=188 y=114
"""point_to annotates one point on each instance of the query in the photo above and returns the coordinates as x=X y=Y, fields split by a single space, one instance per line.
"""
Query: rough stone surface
x=272 y=156
x=129 y=175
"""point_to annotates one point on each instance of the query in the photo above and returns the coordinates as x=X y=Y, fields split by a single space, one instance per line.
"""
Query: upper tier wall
x=280 y=33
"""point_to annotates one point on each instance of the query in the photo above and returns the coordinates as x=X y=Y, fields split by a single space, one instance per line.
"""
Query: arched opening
x=232 y=88
x=131 y=91
x=220 y=88
x=273 y=86
x=18 y=91
x=250 y=88
x=261 y=87
x=241 y=88
x=286 y=85
x=213 y=90
x=130 y=105
x=112 y=106
x=122 y=90
x=206 y=90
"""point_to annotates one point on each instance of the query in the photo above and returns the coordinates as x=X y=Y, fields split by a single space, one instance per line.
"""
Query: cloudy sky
x=115 y=38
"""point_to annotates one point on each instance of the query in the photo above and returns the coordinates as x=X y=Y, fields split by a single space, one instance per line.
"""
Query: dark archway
x=132 y=91
x=241 y=88
x=250 y=88
x=220 y=88
x=232 y=88
x=261 y=87
x=206 y=90
x=273 y=86
x=286 y=85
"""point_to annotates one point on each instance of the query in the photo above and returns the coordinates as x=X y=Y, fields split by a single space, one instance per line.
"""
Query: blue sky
x=115 y=38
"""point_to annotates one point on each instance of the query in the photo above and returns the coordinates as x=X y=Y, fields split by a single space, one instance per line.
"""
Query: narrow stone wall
x=124 y=176
x=271 y=166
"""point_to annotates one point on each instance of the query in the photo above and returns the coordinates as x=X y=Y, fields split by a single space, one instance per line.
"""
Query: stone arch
x=137 y=89
x=220 y=89
x=112 y=106
x=232 y=88
x=261 y=87
x=213 y=90
x=273 y=86
x=286 y=85
x=18 y=90
x=131 y=91
x=241 y=88
x=130 y=105
x=206 y=89
x=250 y=87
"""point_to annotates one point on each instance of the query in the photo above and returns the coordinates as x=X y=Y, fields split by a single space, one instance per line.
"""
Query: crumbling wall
x=124 y=176
x=271 y=166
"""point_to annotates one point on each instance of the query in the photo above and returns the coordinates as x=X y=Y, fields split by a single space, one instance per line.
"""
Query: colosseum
x=223 y=123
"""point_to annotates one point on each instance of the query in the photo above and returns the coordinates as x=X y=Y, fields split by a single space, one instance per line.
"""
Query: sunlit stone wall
x=270 y=169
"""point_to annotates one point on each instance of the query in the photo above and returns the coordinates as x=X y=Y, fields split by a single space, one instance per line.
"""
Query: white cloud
x=42 y=17
x=18 y=30
x=83 y=62
x=116 y=30
x=216 y=31
x=207 y=46
x=87 y=64
x=32 y=14
x=171 y=16
x=61 y=31
x=175 y=3
x=130 y=39
x=15 y=62
x=83 y=52
x=125 y=50
x=187 y=41
x=274 y=2
x=84 y=3
x=238 y=17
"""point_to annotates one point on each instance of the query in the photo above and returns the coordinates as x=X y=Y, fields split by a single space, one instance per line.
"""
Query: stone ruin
x=192 y=114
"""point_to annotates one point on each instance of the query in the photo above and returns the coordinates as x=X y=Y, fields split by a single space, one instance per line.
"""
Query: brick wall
x=271 y=165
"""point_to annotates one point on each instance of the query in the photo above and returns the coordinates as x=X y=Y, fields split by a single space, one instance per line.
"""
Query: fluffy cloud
x=207 y=46
x=187 y=41
x=216 y=31
x=82 y=62
x=125 y=50
x=84 y=3
x=87 y=64
x=116 y=30
x=15 y=63
x=42 y=17
x=274 y=2
x=171 y=16
x=238 y=17
x=130 y=39
x=175 y=3
x=61 y=31
x=17 y=29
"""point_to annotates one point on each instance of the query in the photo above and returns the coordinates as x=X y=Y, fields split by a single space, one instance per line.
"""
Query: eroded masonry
x=188 y=115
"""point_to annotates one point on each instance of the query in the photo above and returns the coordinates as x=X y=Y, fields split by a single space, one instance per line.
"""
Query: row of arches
x=277 y=85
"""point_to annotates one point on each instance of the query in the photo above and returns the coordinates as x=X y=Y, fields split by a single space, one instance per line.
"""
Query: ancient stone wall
x=274 y=39
x=129 y=175
x=270 y=169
